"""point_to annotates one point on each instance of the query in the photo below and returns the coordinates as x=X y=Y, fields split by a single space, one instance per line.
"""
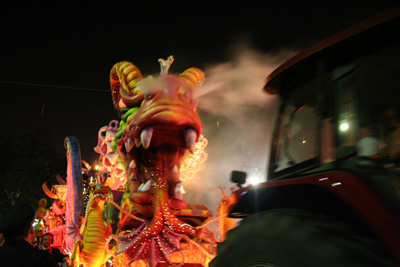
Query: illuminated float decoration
x=86 y=231
x=54 y=216
x=108 y=160
x=159 y=126
x=156 y=145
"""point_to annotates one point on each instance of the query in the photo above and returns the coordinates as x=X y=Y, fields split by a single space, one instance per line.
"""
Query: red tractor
x=333 y=192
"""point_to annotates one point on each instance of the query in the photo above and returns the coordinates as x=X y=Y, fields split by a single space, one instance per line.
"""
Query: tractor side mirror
x=238 y=177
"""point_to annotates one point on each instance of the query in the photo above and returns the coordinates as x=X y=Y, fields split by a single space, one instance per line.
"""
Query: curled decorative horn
x=123 y=79
x=48 y=192
x=193 y=78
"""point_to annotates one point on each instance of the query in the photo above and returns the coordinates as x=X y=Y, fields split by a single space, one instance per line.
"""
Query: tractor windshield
x=336 y=111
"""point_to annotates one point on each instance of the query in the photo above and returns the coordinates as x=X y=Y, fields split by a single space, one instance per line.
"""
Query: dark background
x=56 y=58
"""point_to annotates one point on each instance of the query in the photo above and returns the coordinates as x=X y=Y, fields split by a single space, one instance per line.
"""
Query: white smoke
x=238 y=83
x=237 y=118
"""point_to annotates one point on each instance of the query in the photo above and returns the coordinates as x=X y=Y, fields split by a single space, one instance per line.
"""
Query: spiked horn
x=193 y=78
x=123 y=79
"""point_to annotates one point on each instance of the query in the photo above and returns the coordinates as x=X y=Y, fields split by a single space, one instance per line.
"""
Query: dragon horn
x=48 y=192
x=123 y=79
x=193 y=78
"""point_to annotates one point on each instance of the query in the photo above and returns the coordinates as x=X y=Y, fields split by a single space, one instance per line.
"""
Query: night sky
x=56 y=58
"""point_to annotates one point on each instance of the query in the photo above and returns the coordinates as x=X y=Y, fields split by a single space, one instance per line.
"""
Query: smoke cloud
x=237 y=118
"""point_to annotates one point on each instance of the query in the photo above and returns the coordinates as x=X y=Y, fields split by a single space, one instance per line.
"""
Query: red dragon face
x=158 y=127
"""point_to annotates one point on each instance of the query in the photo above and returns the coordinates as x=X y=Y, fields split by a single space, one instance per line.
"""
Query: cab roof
x=341 y=44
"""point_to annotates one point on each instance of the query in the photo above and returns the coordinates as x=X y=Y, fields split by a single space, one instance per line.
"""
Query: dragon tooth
x=126 y=146
x=179 y=191
x=178 y=186
x=183 y=151
x=190 y=138
x=175 y=169
x=132 y=165
x=138 y=142
x=146 y=187
x=178 y=196
x=146 y=135
x=133 y=177
x=140 y=187
x=129 y=144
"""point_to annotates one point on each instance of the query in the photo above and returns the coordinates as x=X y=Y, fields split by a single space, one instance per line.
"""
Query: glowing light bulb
x=344 y=126
x=254 y=180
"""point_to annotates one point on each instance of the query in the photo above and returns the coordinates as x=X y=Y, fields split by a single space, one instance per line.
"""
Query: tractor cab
x=336 y=143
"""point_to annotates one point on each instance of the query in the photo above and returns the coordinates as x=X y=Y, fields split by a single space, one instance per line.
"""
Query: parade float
x=326 y=202
x=130 y=210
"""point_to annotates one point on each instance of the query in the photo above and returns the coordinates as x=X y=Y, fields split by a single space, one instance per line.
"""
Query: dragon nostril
x=154 y=150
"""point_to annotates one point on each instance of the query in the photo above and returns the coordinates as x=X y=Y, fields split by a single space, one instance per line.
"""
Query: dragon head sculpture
x=159 y=126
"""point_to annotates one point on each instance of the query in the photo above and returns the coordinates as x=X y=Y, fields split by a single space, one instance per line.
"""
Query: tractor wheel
x=287 y=238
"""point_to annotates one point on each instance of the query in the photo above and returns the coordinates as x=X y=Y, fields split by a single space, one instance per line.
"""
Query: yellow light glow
x=192 y=163
x=254 y=181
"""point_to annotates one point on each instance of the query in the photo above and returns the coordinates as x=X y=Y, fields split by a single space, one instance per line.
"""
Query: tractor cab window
x=378 y=84
x=348 y=110
x=346 y=118
x=296 y=139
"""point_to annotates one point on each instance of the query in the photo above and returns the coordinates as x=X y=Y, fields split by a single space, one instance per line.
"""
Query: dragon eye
x=151 y=95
